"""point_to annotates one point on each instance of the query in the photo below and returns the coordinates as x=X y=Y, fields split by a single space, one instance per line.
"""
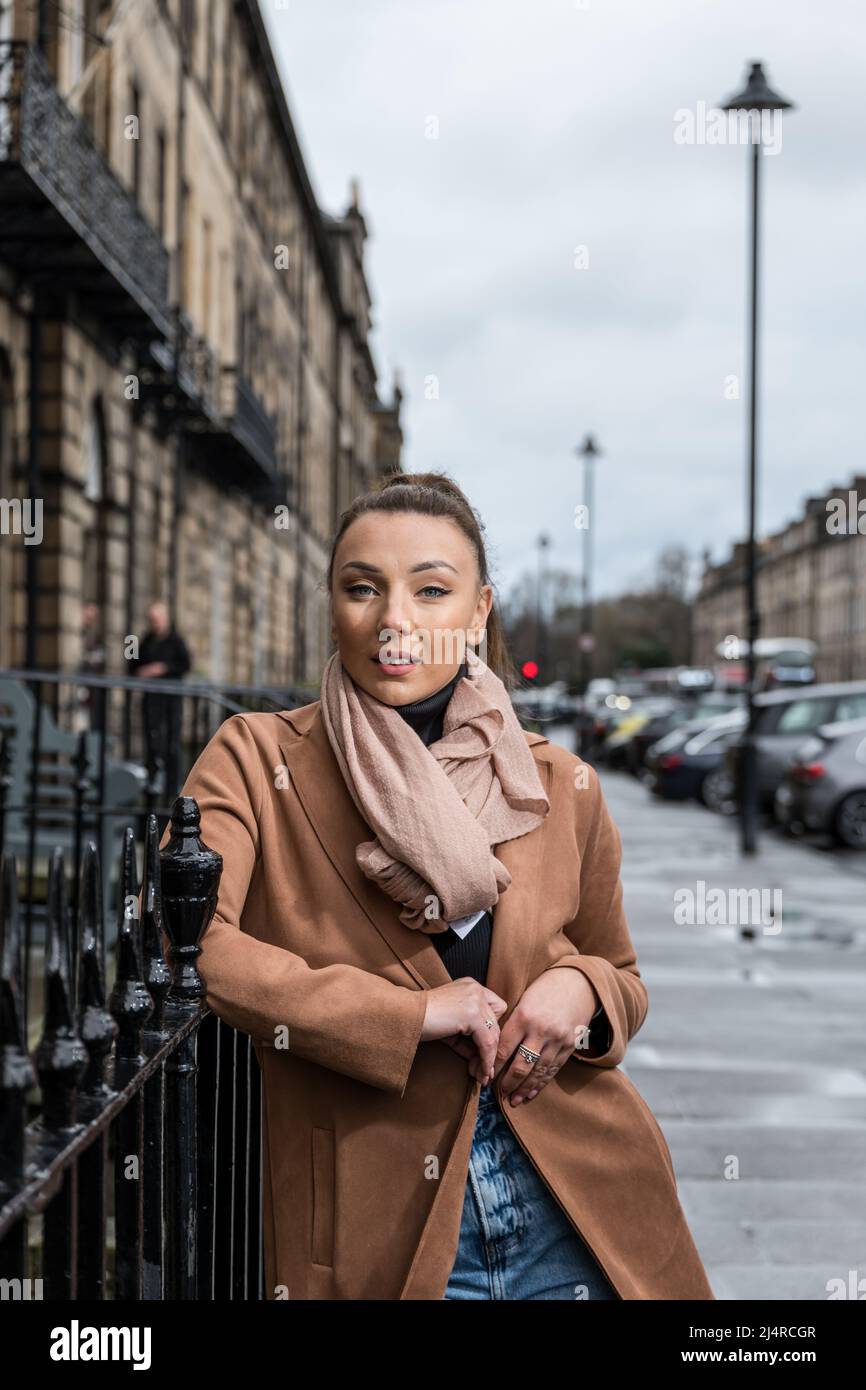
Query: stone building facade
x=811 y=582
x=186 y=383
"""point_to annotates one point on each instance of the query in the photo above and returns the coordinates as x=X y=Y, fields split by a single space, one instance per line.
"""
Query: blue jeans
x=515 y=1239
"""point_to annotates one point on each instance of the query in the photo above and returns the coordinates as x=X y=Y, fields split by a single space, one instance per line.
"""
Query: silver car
x=824 y=788
x=785 y=718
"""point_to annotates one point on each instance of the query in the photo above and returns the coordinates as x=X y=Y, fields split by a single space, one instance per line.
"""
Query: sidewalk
x=753 y=1052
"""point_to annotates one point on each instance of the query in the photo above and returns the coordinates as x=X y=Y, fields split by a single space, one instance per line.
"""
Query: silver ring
x=488 y=1022
x=528 y=1053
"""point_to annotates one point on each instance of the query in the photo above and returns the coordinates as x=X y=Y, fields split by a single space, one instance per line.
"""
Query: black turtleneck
x=470 y=955
x=467 y=955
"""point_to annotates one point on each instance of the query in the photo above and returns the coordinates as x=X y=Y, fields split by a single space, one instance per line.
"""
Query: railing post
x=131 y=1005
x=16 y=1074
x=80 y=788
x=190 y=874
x=98 y=1031
x=61 y=1060
x=157 y=976
x=5 y=783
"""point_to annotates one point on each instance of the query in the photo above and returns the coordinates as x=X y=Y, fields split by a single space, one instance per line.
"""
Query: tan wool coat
x=367 y=1131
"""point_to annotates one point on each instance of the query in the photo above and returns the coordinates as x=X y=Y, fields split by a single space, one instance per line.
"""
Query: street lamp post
x=589 y=452
x=542 y=643
x=756 y=97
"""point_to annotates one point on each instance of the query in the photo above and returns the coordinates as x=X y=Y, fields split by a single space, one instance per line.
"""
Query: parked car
x=614 y=749
x=824 y=787
x=680 y=712
x=689 y=762
x=597 y=692
x=549 y=703
x=785 y=718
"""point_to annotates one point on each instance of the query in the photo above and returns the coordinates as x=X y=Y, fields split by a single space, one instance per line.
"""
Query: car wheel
x=850 y=820
x=717 y=792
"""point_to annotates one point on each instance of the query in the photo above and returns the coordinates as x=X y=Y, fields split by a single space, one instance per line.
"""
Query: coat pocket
x=323 y=1196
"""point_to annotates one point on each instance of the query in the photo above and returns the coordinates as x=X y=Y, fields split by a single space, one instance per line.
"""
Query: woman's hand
x=458 y=1015
x=550 y=1018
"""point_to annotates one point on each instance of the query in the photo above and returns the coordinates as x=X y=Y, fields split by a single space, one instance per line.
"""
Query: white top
x=464 y=925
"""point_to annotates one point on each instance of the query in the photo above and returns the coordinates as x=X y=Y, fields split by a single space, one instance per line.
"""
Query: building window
x=211 y=47
x=94 y=461
x=227 y=81
x=206 y=290
x=135 y=110
x=76 y=36
x=186 y=260
x=160 y=182
x=188 y=24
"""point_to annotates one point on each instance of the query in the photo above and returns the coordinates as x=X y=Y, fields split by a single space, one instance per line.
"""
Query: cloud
x=556 y=131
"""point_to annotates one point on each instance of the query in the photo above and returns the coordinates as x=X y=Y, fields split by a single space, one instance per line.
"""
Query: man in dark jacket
x=163 y=655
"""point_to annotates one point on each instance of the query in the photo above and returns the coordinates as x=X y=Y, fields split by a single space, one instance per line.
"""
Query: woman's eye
x=437 y=588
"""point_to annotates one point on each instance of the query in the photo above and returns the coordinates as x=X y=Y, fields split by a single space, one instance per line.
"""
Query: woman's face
x=405 y=584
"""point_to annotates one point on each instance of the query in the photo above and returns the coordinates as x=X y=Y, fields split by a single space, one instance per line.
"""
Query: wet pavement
x=753 y=1052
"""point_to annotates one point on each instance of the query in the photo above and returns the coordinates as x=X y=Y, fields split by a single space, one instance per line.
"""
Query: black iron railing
x=188 y=387
x=135 y=1171
x=82 y=756
x=249 y=423
x=67 y=216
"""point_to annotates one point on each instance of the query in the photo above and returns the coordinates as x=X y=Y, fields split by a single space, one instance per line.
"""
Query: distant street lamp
x=756 y=97
x=589 y=452
x=541 y=637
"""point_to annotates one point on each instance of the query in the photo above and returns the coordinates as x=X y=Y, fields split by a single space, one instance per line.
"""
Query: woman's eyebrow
x=413 y=569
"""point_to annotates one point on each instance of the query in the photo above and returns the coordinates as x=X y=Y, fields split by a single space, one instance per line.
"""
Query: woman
x=420 y=924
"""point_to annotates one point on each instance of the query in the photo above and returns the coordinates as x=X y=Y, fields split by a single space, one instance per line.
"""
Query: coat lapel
x=339 y=827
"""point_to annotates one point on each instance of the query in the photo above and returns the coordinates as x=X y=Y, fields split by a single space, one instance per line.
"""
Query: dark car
x=689 y=762
x=681 y=712
x=824 y=788
x=622 y=730
x=785 y=718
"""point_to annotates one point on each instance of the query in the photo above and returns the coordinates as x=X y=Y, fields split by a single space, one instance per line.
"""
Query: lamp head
x=757 y=95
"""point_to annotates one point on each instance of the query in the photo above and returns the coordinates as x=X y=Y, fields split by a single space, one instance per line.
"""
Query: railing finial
x=96 y=1025
x=131 y=1003
x=190 y=873
x=61 y=1057
x=157 y=971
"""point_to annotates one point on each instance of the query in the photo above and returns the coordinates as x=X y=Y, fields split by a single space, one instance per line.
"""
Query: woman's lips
x=397 y=669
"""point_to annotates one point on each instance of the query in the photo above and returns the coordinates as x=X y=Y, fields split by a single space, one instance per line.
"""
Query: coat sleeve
x=599 y=932
x=341 y=1017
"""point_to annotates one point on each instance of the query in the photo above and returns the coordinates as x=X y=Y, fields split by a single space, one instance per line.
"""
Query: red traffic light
x=529 y=670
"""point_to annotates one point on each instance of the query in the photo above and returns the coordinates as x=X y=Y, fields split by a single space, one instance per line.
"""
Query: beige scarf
x=435 y=817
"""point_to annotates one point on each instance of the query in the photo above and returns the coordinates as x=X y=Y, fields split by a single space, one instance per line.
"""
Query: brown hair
x=435 y=494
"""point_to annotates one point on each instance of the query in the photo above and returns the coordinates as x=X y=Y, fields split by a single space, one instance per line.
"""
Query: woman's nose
x=396 y=617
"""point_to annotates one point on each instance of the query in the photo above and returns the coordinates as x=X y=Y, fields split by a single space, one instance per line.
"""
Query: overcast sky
x=556 y=130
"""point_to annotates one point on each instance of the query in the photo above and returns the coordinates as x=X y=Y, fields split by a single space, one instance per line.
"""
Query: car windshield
x=707 y=708
x=802 y=716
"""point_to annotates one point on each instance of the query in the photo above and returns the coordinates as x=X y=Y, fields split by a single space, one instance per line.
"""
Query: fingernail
x=517 y=1100
x=532 y=1093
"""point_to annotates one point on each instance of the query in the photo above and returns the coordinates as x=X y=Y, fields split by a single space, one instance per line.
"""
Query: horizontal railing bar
x=162 y=686
x=64 y=812
x=46 y=1162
